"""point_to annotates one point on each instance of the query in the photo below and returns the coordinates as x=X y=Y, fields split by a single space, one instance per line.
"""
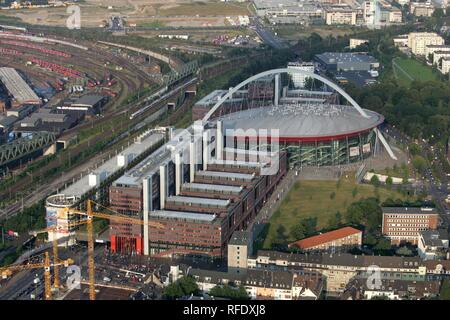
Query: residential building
x=239 y=249
x=340 y=14
x=445 y=66
x=340 y=269
x=380 y=13
x=402 y=224
x=433 y=244
x=401 y=40
x=265 y=284
x=354 y=42
x=421 y=9
x=392 y=289
x=335 y=240
x=439 y=55
x=418 y=41
x=299 y=80
x=431 y=49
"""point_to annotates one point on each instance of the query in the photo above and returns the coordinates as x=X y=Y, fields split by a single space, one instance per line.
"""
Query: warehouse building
x=47 y=120
x=346 y=61
x=21 y=93
x=88 y=103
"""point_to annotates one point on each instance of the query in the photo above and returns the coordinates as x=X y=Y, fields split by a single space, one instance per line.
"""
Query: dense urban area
x=224 y=150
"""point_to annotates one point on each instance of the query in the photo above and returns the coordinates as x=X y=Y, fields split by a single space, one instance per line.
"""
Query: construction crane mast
x=90 y=214
x=7 y=271
x=54 y=230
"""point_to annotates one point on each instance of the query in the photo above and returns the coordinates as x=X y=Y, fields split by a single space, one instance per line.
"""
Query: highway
x=266 y=35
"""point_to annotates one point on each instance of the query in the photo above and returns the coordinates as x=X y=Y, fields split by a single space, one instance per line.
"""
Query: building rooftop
x=325 y=237
x=146 y=167
x=341 y=57
x=214 y=96
x=212 y=187
x=304 y=120
x=240 y=238
x=228 y=175
x=17 y=87
x=408 y=210
x=7 y=122
x=344 y=259
x=199 y=201
x=81 y=186
x=166 y=214
x=88 y=100
x=434 y=238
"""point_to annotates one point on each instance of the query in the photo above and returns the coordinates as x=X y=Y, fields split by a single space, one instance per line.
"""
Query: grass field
x=205 y=9
x=321 y=199
x=294 y=33
x=408 y=70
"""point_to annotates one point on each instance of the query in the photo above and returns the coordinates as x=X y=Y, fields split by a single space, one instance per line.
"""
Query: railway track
x=205 y=73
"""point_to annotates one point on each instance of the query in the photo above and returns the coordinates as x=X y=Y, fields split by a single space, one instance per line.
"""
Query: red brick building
x=207 y=211
x=402 y=224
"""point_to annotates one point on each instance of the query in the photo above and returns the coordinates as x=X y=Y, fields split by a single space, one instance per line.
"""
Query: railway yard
x=53 y=66
x=61 y=72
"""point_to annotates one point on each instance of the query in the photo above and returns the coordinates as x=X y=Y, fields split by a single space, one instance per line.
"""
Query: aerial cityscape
x=232 y=150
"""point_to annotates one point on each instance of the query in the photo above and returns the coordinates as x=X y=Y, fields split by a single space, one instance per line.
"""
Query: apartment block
x=340 y=15
x=445 y=66
x=418 y=41
x=346 y=237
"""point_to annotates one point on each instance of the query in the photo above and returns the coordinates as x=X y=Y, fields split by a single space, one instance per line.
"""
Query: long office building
x=200 y=204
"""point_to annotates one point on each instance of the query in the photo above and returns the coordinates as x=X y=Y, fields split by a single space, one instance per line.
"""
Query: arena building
x=321 y=127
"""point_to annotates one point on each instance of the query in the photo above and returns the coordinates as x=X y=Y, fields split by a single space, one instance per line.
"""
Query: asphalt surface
x=266 y=35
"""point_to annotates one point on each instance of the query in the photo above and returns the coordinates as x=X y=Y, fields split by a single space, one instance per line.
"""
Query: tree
x=419 y=163
x=366 y=212
x=184 y=286
x=375 y=180
x=298 y=231
x=335 y=220
x=304 y=228
x=404 y=251
x=354 y=192
x=370 y=240
x=228 y=291
x=383 y=245
x=389 y=181
x=445 y=290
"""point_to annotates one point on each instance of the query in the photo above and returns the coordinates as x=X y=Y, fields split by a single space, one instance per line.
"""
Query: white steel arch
x=279 y=71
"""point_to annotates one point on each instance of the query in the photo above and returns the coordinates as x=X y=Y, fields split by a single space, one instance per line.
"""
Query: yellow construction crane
x=90 y=214
x=7 y=271
x=54 y=230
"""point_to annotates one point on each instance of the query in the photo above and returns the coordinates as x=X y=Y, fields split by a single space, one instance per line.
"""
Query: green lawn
x=315 y=199
x=206 y=9
x=409 y=69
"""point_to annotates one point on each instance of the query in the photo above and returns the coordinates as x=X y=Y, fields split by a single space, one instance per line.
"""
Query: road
x=436 y=182
x=266 y=35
